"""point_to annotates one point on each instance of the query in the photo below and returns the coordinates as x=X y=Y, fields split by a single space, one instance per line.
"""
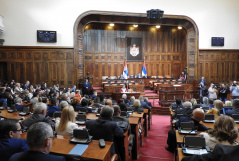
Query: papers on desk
x=187 y=132
x=195 y=151
x=79 y=149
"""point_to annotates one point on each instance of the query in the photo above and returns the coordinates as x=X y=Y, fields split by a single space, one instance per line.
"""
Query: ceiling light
x=180 y=27
x=157 y=26
x=135 y=25
x=111 y=24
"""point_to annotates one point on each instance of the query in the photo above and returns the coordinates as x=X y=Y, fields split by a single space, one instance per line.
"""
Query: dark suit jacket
x=104 y=129
x=220 y=153
x=144 y=105
x=51 y=110
x=35 y=156
x=8 y=147
x=233 y=111
x=34 y=118
x=121 y=118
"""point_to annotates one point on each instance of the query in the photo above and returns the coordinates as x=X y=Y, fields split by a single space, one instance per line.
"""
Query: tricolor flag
x=144 y=71
x=125 y=72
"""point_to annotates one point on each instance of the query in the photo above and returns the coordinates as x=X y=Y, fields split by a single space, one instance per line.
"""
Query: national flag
x=125 y=72
x=144 y=71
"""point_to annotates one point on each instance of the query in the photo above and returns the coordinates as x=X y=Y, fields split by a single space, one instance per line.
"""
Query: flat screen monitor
x=46 y=36
x=217 y=41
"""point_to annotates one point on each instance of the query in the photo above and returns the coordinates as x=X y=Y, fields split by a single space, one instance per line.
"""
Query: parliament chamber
x=119 y=51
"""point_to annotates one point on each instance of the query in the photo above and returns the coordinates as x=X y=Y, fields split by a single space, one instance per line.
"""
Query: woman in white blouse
x=66 y=124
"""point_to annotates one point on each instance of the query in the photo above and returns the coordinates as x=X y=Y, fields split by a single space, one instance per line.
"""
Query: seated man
x=186 y=110
x=131 y=76
x=94 y=95
x=35 y=98
x=143 y=104
x=196 y=117
x=178 y=103
x=19 y=106
x=235 y=106
x=39 y=141
x=118 y=118
x=39 y=115
x=147 y=101
x=104 y=128
x=53 y=107
x=10 y=142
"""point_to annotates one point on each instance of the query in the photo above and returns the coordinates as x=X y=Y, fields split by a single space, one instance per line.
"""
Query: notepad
x=79 y=149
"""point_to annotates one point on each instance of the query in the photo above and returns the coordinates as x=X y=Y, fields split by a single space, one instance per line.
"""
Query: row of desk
x=180 y=137
x=62 y=146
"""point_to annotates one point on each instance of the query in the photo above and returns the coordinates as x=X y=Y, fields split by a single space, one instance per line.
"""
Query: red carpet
x=153 y=148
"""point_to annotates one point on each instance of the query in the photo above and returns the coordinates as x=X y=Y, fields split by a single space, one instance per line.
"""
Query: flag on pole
x=144 y=71
x=125 y=72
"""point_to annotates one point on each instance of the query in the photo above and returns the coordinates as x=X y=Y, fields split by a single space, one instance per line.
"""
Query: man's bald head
x=108 y=102
x=198 y=114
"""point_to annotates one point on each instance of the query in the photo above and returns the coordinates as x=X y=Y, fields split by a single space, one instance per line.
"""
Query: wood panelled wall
x=218 y=65
x=44 y=64
x=164 y=50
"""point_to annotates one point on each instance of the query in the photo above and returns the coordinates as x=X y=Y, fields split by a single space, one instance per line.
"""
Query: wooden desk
x=118 y=96
x=62 y=146
x=14 y=115
x=116 y=88
x=180 y=155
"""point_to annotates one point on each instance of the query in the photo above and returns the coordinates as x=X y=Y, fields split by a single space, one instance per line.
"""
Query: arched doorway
x=131 y=18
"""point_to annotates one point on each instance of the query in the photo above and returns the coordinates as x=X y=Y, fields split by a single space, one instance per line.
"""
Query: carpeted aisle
x=153 y=148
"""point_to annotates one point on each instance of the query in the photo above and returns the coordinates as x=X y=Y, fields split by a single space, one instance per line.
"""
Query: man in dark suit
x=10 y=142
x=186 y=110
x=235 y=106
x=147 y=101
x=196 y=117
x=143 y=104
x=86 y=86
x=202 y=80
x=220 y=153
x=39 y=115
x=39 y=141
x=104 y=127
x=117 y=117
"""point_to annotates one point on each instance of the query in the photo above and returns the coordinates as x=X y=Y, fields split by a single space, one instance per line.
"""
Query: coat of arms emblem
x=134 y=51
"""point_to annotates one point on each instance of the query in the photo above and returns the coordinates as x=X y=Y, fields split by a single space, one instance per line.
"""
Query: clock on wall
x=46 y=36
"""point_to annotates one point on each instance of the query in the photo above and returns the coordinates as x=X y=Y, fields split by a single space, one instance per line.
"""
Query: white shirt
x=69 y=129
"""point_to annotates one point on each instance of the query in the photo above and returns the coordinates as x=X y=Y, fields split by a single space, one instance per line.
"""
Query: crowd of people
x=49 y=100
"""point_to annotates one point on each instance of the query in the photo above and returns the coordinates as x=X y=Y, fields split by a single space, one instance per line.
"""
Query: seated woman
x=137 y=106
x=66 y=124
x=182 y=76
x=224 y=132
x=228 y=104
x=76 y=103
x=123 y=89
x=217 y=107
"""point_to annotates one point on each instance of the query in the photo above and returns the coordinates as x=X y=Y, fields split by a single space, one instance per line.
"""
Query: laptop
x=3 y=105
x=12 y=108
x=56 y=114
x=80 y=119
x=195 y=145
x=226 y=109
x=209 y=118
x=236 y=118
x=25 y=111
x=206 y=108
x=187 y=128
x=81 y=136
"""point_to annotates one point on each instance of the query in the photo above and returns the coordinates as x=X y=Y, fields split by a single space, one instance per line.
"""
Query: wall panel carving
x=44 y=64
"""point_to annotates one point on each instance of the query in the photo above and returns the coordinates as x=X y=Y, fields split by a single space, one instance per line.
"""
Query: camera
x=234 y=84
